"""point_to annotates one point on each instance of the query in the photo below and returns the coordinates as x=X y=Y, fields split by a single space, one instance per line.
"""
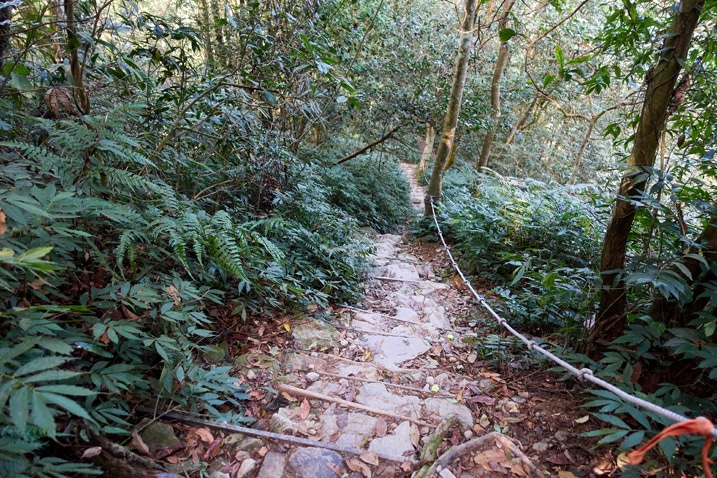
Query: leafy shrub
x=535 y=242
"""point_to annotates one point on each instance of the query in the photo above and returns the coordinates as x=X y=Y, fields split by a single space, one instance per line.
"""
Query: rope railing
x=583 y=373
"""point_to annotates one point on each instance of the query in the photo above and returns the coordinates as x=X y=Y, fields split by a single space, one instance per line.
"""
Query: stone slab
x=389 y=352
x=377 y=396
x=444 y=409
x=397 y=444
x=273 y=466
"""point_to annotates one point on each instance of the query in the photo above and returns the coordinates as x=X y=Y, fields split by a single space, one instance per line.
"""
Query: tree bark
x=82 y=99
x=427 y=150
x=5 y=23
x=503 y=52
x=660 y=82
x=454 y=107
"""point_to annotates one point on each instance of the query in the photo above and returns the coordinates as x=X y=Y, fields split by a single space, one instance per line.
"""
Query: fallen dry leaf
x=92 y=451
x=138 y=444
x=213 y=449
x=204 y=434
x=406 y=466
x=371 y=458
x=493 y=459
x=335 y=469
x=566 y=474
x=559 y=459
x=3 y=223
x=381 y=427
x=174 y=294
x=305 y=409
x=355 y=465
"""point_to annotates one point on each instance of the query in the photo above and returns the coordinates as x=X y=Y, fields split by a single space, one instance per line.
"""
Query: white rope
x=582 y=374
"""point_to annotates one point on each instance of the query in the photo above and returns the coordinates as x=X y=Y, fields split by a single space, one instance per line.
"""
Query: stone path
x=369 y=380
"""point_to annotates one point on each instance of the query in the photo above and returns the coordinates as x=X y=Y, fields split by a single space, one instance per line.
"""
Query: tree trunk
x=520 y=123
x=427 y=150
x=454 y=106
x=503 y=52
x=581 y=151
x=82 y=99
x=206 y=26
x=5 y=23
x=660 y=82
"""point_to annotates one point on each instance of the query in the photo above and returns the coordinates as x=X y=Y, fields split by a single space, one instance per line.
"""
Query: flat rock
x=402 y=271
x=396 y=444
x=406 y=314
x=273 y=466
x=314 y=334
x=376 y=395
x=353 y=429
x=310 y=462
x=436 y=316
x=389 y=352
x=444 y=409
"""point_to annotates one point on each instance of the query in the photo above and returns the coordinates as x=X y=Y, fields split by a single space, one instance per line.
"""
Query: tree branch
x=371 y=145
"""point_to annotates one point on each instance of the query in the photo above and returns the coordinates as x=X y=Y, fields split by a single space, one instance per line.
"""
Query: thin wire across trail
x=583 y=373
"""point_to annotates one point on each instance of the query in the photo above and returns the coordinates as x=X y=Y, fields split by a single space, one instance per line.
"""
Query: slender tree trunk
x=82 y=99
x=660 y=82
x=427 y=150
x=5 y=23
x=520 y=124
x=452 y=154
x=207 y=31
x=581 y=150
x=454 y=106
x=503 y=53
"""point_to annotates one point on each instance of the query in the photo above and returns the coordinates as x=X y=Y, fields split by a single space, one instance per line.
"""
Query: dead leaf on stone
x=415 y=435
x=305 y=409
x=355 y=465
x=371 y=458
x=138 y=444
x=381 y=427
x=406 y=466
x=350 y=394
x=204 y=434
x=92 y=451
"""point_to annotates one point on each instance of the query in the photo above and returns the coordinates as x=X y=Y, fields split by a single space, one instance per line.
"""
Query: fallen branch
x=388 y=384
x=366 y=148
x=264 y=434
x=320 y=396
x=457 y=451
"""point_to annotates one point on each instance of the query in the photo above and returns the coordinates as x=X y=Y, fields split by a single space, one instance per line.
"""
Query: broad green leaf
x=66 y=390
x=52 y=376
x=506 y=34
x=612 y=420
x=41 y=363
x=613 y=437
x=42 y=415
x=66 y=403
x=19 y=407
x=19 y=349
x=633 y=440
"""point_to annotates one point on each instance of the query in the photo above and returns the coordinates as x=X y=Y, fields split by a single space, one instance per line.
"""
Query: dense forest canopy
x=168 y=166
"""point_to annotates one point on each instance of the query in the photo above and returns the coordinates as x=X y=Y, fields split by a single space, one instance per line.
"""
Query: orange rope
x=699 y=426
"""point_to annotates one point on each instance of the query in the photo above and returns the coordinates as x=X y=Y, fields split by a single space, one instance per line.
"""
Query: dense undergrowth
x=536 y=247
x=110 y=260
